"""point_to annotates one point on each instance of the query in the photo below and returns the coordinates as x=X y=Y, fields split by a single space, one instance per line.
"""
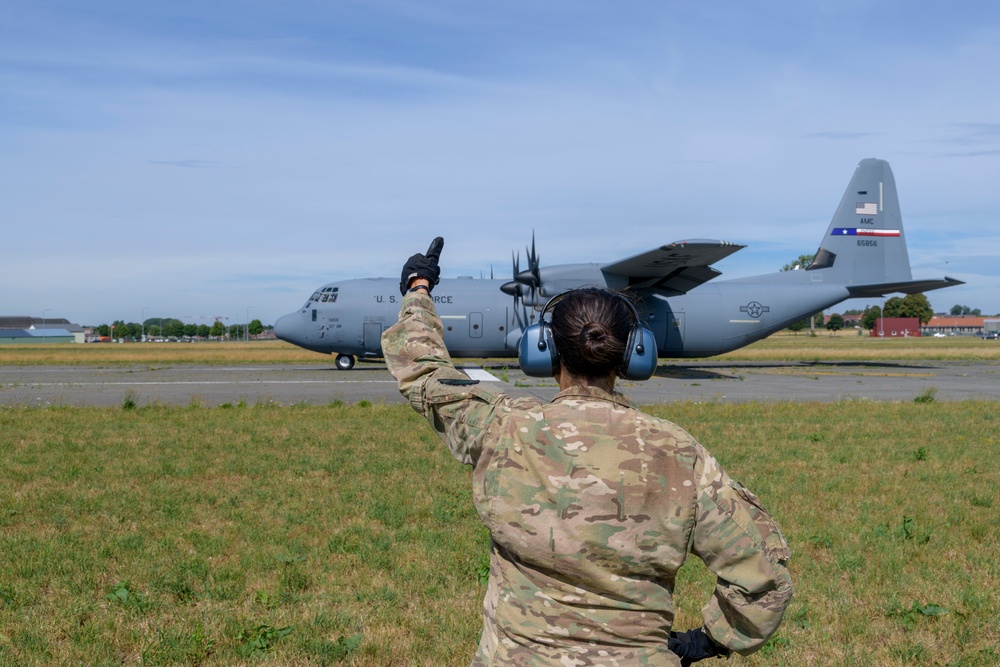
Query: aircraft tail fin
x=865 y=243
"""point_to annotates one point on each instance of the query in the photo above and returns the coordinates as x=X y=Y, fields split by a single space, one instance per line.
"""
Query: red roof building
x=955 y=326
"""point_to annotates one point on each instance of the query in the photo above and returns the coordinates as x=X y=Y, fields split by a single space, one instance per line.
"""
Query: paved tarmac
x=323 y=384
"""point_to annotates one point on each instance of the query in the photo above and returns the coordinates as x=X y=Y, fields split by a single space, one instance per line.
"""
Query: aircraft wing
x=675 y=268
x=906 y=287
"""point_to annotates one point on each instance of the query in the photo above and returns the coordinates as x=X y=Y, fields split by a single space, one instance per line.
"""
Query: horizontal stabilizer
x=675 y=268
x=906 y=287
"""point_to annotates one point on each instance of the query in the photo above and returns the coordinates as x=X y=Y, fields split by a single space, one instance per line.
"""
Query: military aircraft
x=862 y=254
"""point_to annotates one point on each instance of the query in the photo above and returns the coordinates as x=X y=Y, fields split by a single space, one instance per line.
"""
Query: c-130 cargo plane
x=862 y=254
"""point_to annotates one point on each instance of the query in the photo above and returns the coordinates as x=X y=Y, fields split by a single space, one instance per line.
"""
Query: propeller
x=514 y=288
x=530 y=276
x=525 y=284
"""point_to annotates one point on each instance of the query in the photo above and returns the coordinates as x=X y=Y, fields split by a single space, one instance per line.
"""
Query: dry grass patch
x=849 y=346
x=778 y=347
x=126 y=354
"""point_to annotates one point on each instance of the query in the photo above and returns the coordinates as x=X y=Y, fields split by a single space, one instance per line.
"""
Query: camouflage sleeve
x=739 y=541
x=458 y=408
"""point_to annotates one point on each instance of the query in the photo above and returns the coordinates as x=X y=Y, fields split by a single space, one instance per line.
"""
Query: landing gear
x=345 y=362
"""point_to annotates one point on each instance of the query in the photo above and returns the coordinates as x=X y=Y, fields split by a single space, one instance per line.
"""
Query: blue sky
x=195 y=160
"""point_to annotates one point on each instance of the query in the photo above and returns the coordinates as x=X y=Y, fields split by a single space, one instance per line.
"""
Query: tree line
x=911 y=305
x=958 y=311
x=168 y=327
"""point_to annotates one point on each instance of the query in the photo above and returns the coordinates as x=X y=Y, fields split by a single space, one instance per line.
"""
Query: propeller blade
x=514 y=288
x=523 y=283
x=534 y=261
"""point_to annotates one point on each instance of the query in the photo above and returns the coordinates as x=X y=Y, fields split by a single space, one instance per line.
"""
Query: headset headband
x=539 y=358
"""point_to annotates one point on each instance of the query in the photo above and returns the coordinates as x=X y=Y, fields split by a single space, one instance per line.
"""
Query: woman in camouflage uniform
x=591 y=504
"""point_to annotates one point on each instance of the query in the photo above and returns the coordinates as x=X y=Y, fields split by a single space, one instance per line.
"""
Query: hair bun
x=590 y=328
x=594 y=331
x=597 y=343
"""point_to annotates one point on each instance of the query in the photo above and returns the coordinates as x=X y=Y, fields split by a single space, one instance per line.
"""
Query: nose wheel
x=345 y=362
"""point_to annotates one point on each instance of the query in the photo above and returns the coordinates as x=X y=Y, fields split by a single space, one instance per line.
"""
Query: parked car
x=991 y=335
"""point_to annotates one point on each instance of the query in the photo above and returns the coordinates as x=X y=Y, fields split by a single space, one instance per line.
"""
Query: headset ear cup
x=641 y=357
x=550 y=347
x=629 y=349
x=537 y=351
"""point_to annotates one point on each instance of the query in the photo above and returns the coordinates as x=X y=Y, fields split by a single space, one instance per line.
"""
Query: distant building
x=962 y=325
x=896 y=327
x=24 y=329
x=853 y=320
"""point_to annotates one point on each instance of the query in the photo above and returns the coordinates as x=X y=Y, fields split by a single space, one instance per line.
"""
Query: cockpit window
x=325 y=295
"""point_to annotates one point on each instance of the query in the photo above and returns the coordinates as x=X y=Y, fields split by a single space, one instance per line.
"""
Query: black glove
x=694 y=645
x=423 y=266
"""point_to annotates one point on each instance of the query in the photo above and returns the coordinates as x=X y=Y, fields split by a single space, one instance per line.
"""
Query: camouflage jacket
x=592 y=507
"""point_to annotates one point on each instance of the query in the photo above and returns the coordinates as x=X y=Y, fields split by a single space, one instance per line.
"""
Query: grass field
x=344 y=534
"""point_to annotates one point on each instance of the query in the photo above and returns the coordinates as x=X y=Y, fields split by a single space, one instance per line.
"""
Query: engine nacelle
x=558 y=279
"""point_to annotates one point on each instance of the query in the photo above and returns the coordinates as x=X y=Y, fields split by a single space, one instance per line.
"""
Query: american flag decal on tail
x=852 y=231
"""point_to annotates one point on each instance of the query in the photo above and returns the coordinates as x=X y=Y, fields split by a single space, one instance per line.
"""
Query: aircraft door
x=372 y=339
x=475 y=325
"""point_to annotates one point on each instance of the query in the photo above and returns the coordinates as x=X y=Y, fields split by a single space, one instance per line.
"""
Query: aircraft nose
x=288 y=328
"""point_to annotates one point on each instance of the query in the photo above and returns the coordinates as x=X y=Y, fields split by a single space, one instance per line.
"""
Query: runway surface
x=323 y=384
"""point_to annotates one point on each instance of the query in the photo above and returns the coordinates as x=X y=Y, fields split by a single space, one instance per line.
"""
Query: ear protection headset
x=538 y=356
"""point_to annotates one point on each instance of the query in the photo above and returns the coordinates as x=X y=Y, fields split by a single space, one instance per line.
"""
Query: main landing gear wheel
x=345 y=362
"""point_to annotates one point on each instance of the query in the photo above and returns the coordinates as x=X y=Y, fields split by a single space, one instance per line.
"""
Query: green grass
x=346 y=534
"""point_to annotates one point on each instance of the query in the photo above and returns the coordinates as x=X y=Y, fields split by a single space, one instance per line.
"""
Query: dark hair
x=591 y=327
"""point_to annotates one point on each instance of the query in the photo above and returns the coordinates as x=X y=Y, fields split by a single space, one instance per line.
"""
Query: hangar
x=32 y=330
